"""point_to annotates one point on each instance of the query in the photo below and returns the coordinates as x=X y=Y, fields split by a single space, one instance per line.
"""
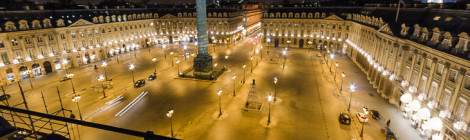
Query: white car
x=362 y=117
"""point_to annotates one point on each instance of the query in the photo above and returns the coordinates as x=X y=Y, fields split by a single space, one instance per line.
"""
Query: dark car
x=375 y=114
x=390 y=135
x=65 y=78
x=344 y=118
x=139 y=83
x=4 y=97
x=152 y=77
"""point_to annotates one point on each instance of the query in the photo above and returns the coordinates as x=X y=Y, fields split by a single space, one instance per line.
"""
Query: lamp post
x=70 y=76
x=171 y=55
x=257 y=52
x=226 y=61
x=251 y=63
x=261 y=52
x=29 y=78
x=275 y=79
x=101 y=79
x=244 y=73
x=336 y=71
x=163 y=50
x=104 y=64
x=178 y=66
x=362 y=130
x=154 y=60
x=332 y=56
x=219 y=93
x=117 y=58
x=284 y=53
x=234 y=84
x=131 y=68
x=169 y=115
x=65 y=62
x=341 y=84
x=352 y=88
x=76 y=99
x=270 y=101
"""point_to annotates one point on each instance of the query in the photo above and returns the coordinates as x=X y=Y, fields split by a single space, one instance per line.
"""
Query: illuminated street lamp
x=275 y=80
x=154 y=60
x=226 y=61
x=104 y=65
x=332 y=56
x=219 y=93
x=270 y=101
x=29 y=78
x=336 y=71
x=234 y=84
x=101 y=79
x=169 y=115
x=76 y=99
x=257 y=52
x=163 y=50
x=70 y=76
x=171 y=55
x=284 y=54
x=131 y=68
x=251 y=63
x=341 y=84
x=178 y=66
x=244 y=73
x=352 y=88
x=65 y=62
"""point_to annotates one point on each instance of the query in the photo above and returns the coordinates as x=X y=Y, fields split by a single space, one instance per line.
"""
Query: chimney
x=26 y=7
x=40 y=7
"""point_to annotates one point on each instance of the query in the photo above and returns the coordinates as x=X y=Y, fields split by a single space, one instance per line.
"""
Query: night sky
x=160 y=1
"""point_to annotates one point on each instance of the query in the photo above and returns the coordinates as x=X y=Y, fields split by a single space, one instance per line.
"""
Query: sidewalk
x=367 y=96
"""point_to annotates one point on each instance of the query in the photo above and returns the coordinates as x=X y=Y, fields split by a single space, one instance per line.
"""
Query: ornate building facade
x=39 y=42
x=423 y=72
x=410 y=63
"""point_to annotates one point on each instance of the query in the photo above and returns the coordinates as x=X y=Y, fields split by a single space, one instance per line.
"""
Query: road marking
x=131 y=104
x=108 y=105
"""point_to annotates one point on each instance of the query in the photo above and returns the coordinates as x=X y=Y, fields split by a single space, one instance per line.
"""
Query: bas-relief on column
x=203 y=61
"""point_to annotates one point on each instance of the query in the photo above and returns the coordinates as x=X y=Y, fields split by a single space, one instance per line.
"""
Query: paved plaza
x=308 y=102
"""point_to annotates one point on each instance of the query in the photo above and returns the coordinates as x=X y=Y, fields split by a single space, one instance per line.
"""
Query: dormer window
x=10 y=26
x=23 y=25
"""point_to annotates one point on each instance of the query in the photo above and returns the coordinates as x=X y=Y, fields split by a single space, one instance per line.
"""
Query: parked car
x=344 y=118
x=4 y=97
x=139 y=83
x=152 y=77
x=390 y=135
x=362 y=117
x=65 y=78
x=375 y=114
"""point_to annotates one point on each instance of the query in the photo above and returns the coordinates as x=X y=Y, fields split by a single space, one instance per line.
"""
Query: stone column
x=458 y=86
x=402 y=64
x=421 y=70
x=443 y=81
x=413 y=61
x=203 y=61
x=432 y=71
x=396 y=48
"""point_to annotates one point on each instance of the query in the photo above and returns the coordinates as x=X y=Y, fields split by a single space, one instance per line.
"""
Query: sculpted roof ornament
x=404 y=30
x=461 y=48
x=168 y=16
x=333 y=17
x=80 y=22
